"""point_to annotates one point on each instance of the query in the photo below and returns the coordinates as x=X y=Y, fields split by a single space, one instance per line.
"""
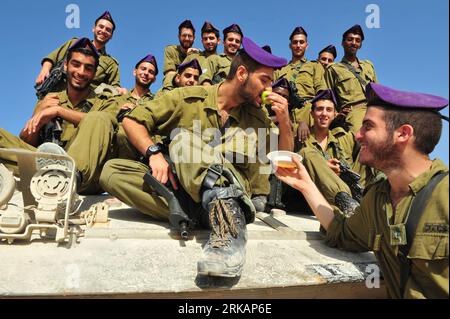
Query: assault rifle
x=56 y=76
x=294 y=101
x=352 y=180
x=51 y=132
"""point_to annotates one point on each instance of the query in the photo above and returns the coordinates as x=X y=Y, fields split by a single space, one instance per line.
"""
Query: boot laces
x=222 y=222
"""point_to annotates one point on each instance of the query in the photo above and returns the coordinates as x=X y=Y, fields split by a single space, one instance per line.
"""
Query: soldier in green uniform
x=88 y=122
x=349 y=78
x=298 y=45
x=324 y=149
x=214 y=148
x=218 y=66
x=108 y=69
x=311 y=80
x=210 y=41
x=188 y=74
x=403 y=219
x=174 y=55
x=145 y=72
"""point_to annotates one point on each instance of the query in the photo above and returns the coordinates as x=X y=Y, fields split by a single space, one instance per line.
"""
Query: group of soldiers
x=187 y=139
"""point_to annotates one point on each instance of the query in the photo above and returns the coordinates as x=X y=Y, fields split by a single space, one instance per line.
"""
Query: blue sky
x=410 y=49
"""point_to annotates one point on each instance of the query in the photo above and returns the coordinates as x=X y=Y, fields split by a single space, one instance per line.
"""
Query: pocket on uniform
x=429 y=246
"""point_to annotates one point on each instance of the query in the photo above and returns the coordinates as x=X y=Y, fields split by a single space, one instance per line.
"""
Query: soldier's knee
x=107 y=173
x=98 y=119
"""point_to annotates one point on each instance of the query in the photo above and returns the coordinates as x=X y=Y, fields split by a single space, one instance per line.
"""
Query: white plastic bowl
x=283 y=159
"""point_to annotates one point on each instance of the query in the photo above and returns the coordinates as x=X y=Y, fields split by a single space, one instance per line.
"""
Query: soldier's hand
x=161 y=169
x=297 y=178
x=333 y=163
x=302 y=131
x=344 y=112
x=45 y=71
x=50 y=100
x=192 y=51
x=40 y=119
x=122 y=91
x=279 y=106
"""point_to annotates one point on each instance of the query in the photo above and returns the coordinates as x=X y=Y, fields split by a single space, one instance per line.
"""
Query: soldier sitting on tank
x=213 y=149
x=330 y=156
x=81 y=115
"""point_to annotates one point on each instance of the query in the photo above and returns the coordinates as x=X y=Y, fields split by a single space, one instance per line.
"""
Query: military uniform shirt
x=348 y=89
x=92 y=103
x=217 y=68
x=368 y=230
x=310 y=79
x=173 y=57
x=107 y=70
x=129 y=98
x=201 y=58
x=290 y=72
x=340 y=145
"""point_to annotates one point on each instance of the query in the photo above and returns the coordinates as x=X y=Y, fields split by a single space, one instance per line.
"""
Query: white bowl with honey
x=283 y=159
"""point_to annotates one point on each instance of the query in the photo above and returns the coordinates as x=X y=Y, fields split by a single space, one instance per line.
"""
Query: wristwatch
x=152 y=150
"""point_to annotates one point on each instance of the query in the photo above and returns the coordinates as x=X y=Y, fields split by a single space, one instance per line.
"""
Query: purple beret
x=187 y=24
x=107 y=16
x=356 y=29
x=298 y=30
x=262 y=56
x=380 y=95
x=151 y=59
x=84 y=43
x=330 y=49
x=327 y=94
x=232 y=28
x=191 y=64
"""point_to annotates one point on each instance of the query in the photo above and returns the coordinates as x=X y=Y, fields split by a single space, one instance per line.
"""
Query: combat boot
x=224 y=253
x=260 y=203
x=346 y=203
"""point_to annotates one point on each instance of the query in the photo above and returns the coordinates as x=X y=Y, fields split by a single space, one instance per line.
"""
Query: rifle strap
x=361 y=81
x=415 y=212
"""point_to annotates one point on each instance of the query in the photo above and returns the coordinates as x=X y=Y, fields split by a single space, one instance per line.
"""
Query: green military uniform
x=173 y=57
x=168 y=86
x=201 y=58
x=340 y=145
x=368 y=230
x=107 y=70
x=217 y=68
x=89 y=144
x=349 y=90
x=310 y=80
x=123 y=147
x=291 y=71
x=193 y=112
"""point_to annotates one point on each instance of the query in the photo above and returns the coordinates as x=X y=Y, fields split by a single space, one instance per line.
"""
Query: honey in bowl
x=284 y=162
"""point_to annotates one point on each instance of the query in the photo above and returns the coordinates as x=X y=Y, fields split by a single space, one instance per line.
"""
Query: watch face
x=152 y=149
